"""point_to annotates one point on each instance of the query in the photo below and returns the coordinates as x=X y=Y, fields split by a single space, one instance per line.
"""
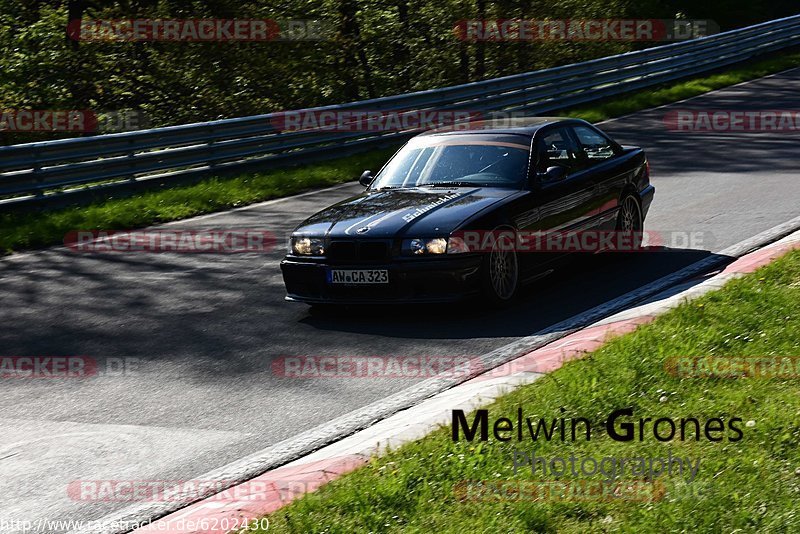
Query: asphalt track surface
x=204 y=330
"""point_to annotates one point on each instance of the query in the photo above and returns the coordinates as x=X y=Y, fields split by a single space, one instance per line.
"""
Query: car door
x=600 y=157
x=553 y=207
x=566 y=202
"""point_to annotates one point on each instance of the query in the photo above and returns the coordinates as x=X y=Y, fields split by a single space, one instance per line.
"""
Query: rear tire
x=500 y=271
x=630 y=221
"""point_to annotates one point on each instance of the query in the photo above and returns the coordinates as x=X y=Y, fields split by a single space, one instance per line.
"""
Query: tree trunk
x=480 y=46
x=354 y=56
x=75 y=9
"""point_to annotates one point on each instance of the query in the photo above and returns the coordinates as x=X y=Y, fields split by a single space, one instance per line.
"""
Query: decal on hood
x=408 y=217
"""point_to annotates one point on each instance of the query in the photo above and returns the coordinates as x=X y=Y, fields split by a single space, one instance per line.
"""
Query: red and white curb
x=276 y=488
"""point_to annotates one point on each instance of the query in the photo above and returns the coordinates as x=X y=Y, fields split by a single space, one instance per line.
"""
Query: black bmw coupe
x=453 y=214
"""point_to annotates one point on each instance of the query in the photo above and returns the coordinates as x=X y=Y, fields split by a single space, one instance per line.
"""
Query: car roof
x=514 y=125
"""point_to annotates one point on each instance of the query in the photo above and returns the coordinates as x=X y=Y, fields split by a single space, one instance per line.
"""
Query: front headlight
x=424 y=247
x=307 y=246
x=437 y=245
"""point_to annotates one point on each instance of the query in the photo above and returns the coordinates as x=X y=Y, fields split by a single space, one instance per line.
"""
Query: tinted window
x=478 y=163
x=556 y=148
x=595 y=147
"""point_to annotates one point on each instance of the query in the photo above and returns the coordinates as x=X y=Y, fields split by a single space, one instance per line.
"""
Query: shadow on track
x=576 y=287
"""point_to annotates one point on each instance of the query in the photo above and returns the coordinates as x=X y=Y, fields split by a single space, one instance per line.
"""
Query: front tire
x=500 y=271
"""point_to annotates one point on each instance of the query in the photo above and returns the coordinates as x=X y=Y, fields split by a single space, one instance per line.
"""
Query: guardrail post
x=212 y=163
x=37 y=168
x=132 y=154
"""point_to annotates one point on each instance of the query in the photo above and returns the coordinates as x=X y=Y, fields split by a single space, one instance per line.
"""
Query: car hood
x=417 y=212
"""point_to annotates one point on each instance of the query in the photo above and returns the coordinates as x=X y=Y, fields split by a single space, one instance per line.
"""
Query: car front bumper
x=413 y=280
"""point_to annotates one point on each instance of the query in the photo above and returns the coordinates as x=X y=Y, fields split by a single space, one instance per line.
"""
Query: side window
x=556 y=149
x=594 y=146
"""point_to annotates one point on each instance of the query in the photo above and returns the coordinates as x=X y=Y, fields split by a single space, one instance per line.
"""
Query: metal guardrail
x=53 y=173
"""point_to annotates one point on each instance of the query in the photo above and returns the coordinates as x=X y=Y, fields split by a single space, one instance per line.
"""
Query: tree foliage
x=377 y=48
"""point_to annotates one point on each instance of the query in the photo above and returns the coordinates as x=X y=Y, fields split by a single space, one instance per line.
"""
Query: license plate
x=358 y=276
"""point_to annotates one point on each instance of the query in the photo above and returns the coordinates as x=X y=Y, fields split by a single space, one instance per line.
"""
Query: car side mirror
x=366 y=178
x=553 y=174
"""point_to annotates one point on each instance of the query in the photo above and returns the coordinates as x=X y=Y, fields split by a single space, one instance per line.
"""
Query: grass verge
x=29 y=230
x=24 y=231
x=750 y=485
x=658 y=96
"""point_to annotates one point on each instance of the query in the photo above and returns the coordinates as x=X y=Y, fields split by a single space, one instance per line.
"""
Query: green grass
x=22 y=231
x=19 y=232
x=658 y=96
x=750 y=485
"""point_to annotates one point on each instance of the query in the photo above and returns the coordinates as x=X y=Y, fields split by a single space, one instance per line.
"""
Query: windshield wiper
x=492 y=164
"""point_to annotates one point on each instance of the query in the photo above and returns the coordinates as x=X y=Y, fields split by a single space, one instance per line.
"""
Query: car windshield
x=458 y=160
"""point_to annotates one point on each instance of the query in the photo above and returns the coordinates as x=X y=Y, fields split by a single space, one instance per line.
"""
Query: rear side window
x=556 y=148
x=595 y=147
